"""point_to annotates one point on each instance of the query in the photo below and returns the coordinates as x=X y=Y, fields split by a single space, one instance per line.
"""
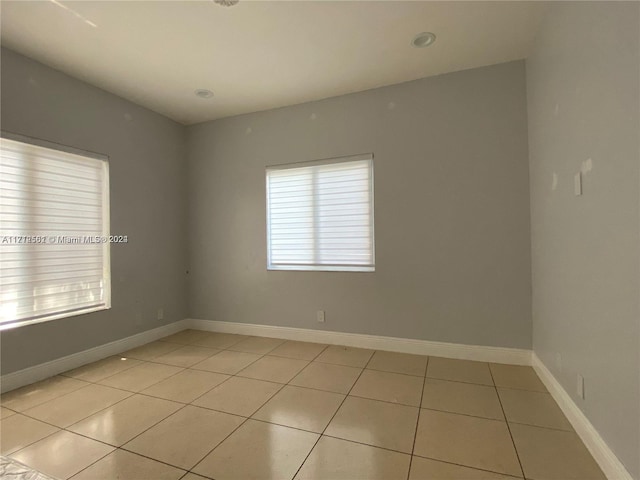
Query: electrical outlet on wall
x=161 y=314
x=320 y=316
x=138 y=320
x=577 y=184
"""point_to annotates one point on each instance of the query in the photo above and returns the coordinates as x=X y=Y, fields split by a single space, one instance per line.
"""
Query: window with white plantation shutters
x=320 y=215
x=54 y=219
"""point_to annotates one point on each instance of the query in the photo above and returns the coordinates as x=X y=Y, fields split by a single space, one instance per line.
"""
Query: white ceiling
x=259 y=55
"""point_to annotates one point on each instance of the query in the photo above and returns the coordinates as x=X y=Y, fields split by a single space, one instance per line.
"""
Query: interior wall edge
x=603 y=455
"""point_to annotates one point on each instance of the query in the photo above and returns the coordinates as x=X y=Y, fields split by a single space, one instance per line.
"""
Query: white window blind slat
x=66 y=277
x=52 y=194
x=320 y=216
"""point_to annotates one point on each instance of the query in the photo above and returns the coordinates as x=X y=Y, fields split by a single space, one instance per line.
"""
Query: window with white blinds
x=54 y=227
x=320 y=215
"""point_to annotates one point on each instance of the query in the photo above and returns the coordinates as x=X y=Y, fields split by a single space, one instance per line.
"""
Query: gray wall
x=451 y=205
x=583 y=101
x=148 y=203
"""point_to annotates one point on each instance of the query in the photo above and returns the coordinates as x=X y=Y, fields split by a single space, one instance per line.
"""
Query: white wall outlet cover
x=577 y=184
x=320 y=316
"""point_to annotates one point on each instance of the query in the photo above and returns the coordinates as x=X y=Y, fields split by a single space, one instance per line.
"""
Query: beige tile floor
x=200 y=405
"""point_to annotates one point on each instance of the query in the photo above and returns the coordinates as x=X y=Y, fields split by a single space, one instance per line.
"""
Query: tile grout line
x=58 y=396
x=64 y=374
x=507 y=422
x=420 y=456
x=333 y=416
x=508 y=475
x=191 y=469
x=66 y=428
x=415 y=433
x=93 y=463
x=33 y=443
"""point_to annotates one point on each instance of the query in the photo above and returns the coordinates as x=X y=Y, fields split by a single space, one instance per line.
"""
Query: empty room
x=319 y=240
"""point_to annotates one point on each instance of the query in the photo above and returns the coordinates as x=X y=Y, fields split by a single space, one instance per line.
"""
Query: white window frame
x=106 y=219
x=318 y=267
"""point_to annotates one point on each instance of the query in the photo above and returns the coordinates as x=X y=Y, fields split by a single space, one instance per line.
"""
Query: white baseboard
x=33 y=374
x=514 y=356
x=609 y=463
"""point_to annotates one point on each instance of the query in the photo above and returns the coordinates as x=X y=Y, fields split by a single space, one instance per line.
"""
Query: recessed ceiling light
x=423 y=39
x=203 y=93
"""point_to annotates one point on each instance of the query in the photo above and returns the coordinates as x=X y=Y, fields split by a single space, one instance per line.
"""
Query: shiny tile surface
x=62 y=454
x=227 y=362
x=399 y=363
x=185 y=437
x=150 y=350
x=469 y=441
x=196 y=416
x=96 y=371
x=124 y=465
x=219 y=340
x=274 y=369
x=425 y=469
x=5 y=412
x=301 y=408
x=18 y=431
x=72 y=407
x=120 y=423
x=300 y=350
x=258 y=450
x=257 y=345
x=29 y=396
x=185 y=386
x=239 y=396
x=389 y=387
x=335 y=459
x=140 y=377
x=458 y=397
x=553 y=454
x=533 y=408
x=516 y=376
x=375 y=423
x=325 y=376
x=459 y=370
x=186 y=356
x=193 y=476
x=185 y=337
x=348 y=356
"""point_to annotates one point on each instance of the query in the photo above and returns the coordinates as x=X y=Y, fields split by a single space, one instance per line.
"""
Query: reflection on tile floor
x=200 y=405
